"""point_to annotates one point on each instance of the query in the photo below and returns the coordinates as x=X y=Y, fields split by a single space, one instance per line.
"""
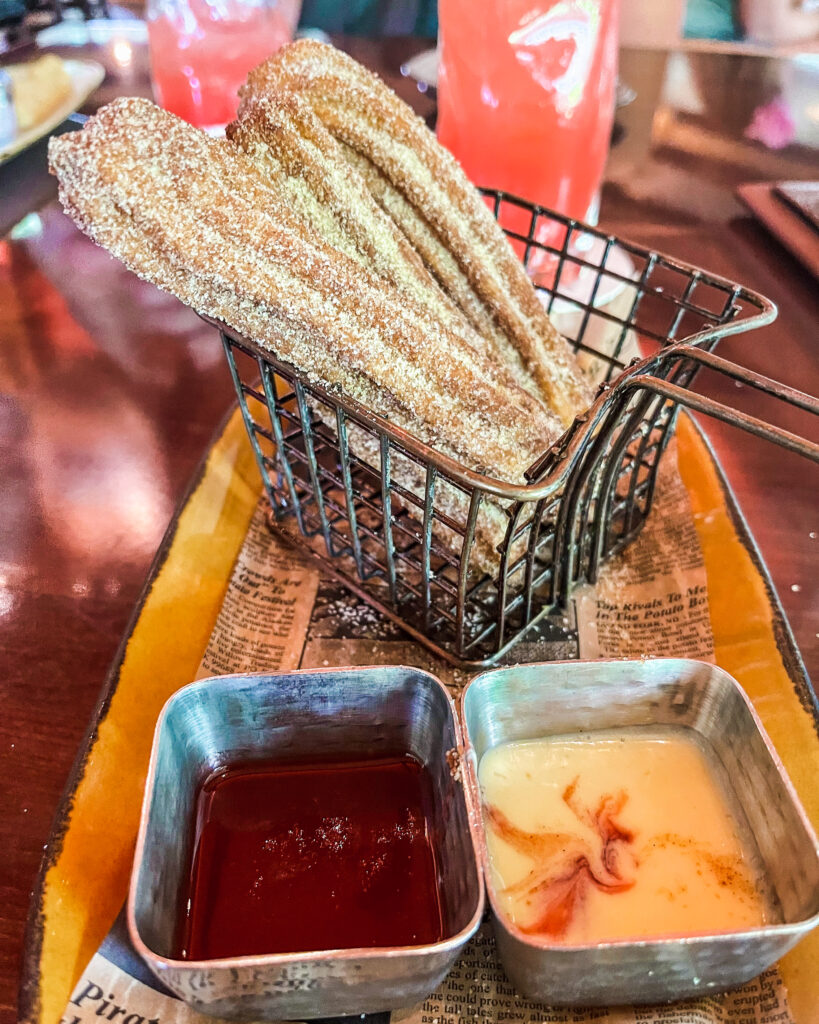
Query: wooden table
x=110 y=391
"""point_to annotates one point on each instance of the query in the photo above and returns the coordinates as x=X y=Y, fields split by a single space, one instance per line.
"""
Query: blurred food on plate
x=39 y=87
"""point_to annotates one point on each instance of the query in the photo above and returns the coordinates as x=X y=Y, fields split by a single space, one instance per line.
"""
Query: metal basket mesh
x=405 y=527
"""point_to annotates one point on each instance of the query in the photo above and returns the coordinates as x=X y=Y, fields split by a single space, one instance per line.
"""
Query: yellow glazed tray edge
x=86 y=866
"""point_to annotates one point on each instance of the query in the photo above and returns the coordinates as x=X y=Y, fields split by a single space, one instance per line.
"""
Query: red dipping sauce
x=303 y=856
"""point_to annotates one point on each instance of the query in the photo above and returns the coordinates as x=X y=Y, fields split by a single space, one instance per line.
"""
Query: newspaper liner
x=652 y=599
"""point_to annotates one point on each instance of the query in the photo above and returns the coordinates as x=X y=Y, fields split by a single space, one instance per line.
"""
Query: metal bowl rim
x=803 y=925
x=449 y=944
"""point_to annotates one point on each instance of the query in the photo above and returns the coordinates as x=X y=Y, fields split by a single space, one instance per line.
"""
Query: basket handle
x=734 y=417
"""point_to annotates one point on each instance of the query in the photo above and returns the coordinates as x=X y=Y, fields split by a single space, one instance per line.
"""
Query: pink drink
x=526 y=100
x=202 y=51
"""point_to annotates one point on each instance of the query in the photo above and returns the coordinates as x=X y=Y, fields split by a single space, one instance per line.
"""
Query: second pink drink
x=526 y=96
x=202 y=50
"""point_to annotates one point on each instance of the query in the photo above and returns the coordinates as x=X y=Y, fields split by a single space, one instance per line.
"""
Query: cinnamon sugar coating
x=196 y=217
x=363 y=113
x=302 y=161
x=442 y=264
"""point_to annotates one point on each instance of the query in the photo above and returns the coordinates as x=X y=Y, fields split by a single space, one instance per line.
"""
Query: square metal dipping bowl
x=532 y=701
x=293 y=716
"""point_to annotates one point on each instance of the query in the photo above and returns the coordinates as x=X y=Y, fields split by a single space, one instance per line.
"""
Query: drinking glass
x=202 y=51
x=526 y=95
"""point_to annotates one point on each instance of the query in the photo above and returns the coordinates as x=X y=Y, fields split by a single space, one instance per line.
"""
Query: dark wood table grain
x=110 y=392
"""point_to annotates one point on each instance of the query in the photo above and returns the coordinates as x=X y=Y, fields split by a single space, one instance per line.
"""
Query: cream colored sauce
x=622 y=834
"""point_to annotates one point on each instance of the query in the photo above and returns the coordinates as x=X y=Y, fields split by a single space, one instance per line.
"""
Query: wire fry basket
x=400 y=523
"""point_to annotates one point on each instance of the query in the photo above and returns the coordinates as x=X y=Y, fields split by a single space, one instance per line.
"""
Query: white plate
x=85 y=76
x=98 y=31
x=423 y=67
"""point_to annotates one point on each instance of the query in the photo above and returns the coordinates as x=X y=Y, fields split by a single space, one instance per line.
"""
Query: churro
x=435 y=254
x=362 y=112
x=194 y=216
x=302 y=161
